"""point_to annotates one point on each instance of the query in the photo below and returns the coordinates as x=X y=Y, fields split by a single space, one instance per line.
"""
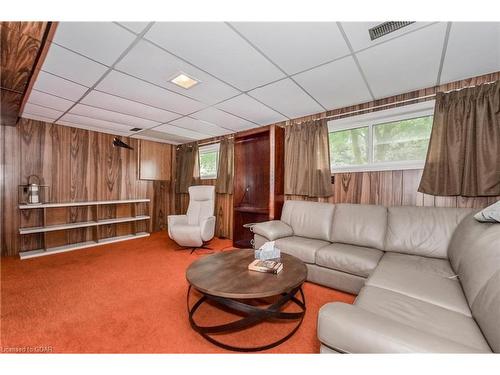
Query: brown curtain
x=187 y=156
x=307 y=159
x=224 y=184
x=463 y=158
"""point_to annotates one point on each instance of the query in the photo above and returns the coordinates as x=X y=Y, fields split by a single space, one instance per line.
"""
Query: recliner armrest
x=207 y=228
x=351 y=329
x=273 y=230
x=173 y=220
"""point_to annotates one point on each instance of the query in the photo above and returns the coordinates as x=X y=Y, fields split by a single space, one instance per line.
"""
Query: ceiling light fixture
x=184 y=81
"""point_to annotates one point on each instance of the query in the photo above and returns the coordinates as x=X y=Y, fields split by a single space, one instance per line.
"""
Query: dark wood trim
x=46 y=41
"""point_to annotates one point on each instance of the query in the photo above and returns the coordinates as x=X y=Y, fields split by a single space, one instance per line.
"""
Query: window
x=391 y=139
x=208 y=161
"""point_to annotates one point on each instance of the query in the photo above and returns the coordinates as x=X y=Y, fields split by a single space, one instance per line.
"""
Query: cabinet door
x=155 y=161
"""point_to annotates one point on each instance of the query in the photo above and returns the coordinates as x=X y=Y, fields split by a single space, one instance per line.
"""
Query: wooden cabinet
x=258 y=179
x=155 y=161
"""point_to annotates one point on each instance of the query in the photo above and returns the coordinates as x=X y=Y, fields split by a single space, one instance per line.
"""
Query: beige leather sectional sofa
x=427 y=279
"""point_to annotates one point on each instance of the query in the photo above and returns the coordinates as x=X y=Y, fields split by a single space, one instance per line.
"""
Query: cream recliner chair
x=198 y=225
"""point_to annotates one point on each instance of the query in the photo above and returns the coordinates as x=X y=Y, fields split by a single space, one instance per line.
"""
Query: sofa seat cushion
x=356 y=260
x=423 y=316
x=301 y=247
x=427 y=279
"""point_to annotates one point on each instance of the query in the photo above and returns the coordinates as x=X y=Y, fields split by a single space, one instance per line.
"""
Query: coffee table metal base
x=252 y=316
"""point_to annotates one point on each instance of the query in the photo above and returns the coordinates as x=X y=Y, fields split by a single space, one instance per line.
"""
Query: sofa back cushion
x=475 y=254
x=424 y=231
x=360 y=225
x=308 y=219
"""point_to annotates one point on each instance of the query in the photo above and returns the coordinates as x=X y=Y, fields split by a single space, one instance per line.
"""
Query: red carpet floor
x=127 y=297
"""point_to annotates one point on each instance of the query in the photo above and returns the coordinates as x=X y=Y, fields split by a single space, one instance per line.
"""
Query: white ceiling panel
x=200 y=126
x=37 y=118
x=135 y=27
x=129 y=107
x=93 y=128
x=216 y=48
x=37 y=110
x=152 y=135
x=249 y=108
x=358 y=36
x=74 y=67
x=296 y=46
x=404 y=64
x=115 y=117
x=181 y=132
x=84 y=120
x=134 y=89
x=101 y=41
x=50 y=101
x=473 y=50
x=160 y=67
x=223 y=119
x=286 y=97
x=63 y=88
x=336 y=84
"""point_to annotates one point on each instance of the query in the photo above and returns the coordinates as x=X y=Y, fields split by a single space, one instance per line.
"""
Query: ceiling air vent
x=135 y=129
x=386 y=28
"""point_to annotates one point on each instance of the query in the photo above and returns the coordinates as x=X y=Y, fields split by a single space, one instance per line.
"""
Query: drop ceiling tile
x=54 y=85
x=359 y=37
x=101 y=41
x=223 y=119
x=87 y=121
x=296 y=46
x=37 y=110
x=404 y=64
x=249 y=108
x=200 y=126
x=287 y=97
x=135 y=27
x=160 y=67
x=134 y=89
x=50 y=101
x=119 y=118
x=473 y=50
x=215 y=48
x=152 y=135
x=337 y=84
x=181 y=132
x=92 y=128
x=37 y=118
x=129 y=107
x=74 y=67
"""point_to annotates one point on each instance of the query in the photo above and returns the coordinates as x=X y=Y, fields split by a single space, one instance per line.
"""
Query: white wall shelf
x=95 y=223
x=79 y=246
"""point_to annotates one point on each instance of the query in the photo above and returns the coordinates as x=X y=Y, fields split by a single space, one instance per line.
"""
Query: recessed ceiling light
x=184 y=81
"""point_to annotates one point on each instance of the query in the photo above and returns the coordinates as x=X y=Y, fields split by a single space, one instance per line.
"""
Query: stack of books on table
x=269 y=266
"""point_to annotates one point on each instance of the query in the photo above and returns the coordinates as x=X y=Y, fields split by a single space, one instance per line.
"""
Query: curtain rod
x=205 y=143
x=387 y=104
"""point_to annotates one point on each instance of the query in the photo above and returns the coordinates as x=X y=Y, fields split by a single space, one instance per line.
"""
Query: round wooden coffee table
x=224 y=278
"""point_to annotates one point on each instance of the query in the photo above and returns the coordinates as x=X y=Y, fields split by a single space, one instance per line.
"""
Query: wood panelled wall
x=78 y=165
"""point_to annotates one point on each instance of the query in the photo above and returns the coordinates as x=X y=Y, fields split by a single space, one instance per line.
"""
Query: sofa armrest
x=207 y=228
x=273 y=230
x=351 y=329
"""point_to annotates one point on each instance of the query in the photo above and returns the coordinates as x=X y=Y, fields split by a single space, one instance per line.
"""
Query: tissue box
x=267 y=251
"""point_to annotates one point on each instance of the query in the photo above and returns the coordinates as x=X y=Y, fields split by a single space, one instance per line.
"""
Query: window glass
x=402 y=140
x=349 y=147
x=208 y=159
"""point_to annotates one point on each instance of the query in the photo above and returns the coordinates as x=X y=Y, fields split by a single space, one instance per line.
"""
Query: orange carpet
x=127 y=297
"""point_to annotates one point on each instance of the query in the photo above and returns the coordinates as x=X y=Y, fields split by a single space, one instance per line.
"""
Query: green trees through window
x=208 y=159
x=397 y=141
